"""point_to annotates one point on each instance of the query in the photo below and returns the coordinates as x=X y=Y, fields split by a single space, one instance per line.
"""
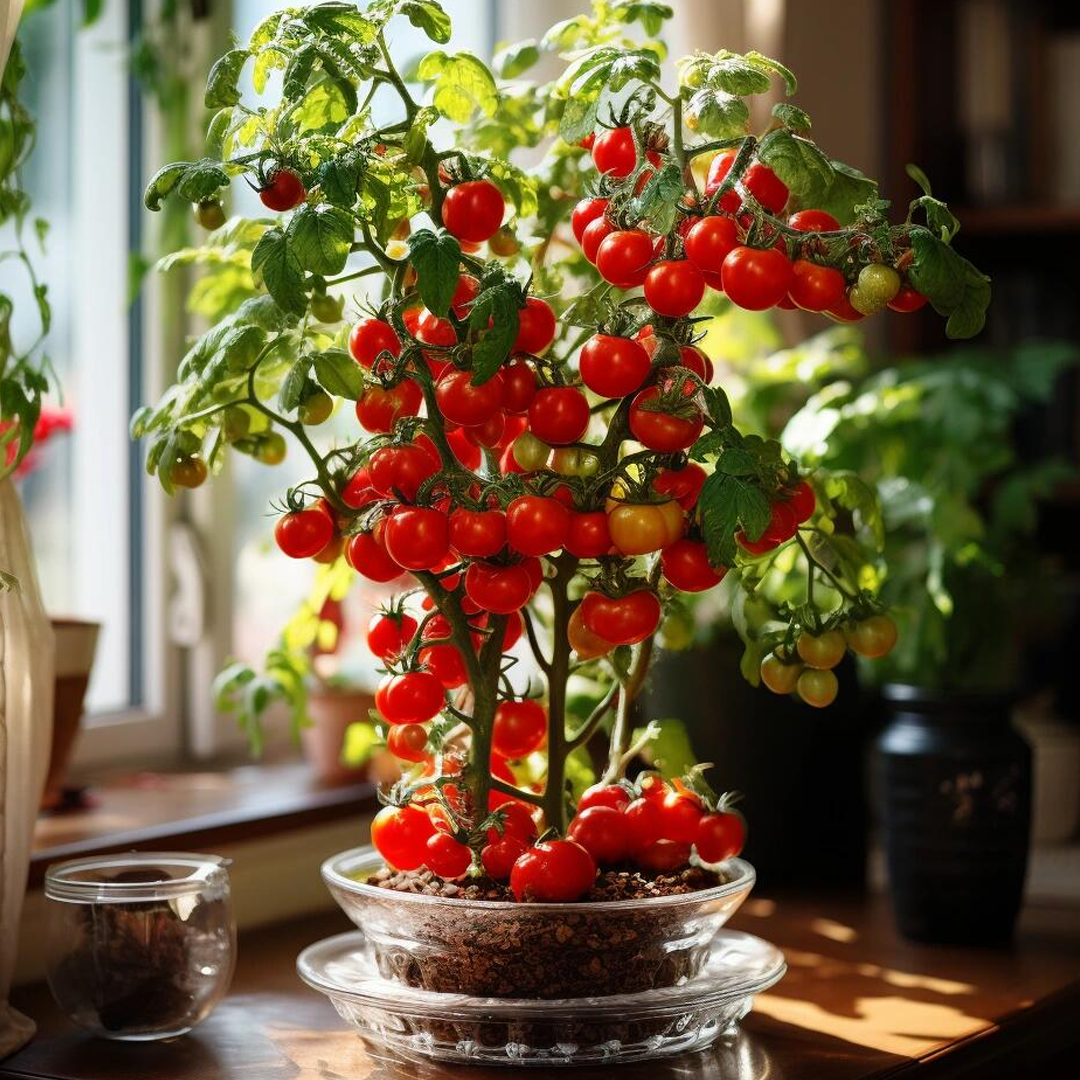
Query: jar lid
x=132 y=876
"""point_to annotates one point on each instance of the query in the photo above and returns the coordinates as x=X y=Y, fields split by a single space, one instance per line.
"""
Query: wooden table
x=857 y=1002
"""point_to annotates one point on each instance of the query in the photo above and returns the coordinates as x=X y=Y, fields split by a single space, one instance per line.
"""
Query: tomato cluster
x=752 y=253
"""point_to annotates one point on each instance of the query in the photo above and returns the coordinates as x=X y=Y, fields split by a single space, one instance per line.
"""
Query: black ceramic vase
x=955 y=787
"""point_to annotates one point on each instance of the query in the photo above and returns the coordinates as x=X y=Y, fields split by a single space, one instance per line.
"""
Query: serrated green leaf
x=428 y=16
x=725 y=503
x=717 y=113
x=578 y=119
x=162 y=183
x=339 y=179
x=265 y=31
x=462 y=84
x=338 y=373
x=201 y=180
x=767 y=63
x=514 y=60
x=954 y=287
x=498 y=305
x=320 y=237
x=650 y=15
x=659 y=197
x=436 y=255
x=217 y=131
x=222 y=87
x=267 y=61
x=850 y=491
x=791 y=116
x=516 y=184
x=737 y=75
x=292 y=386
x=299 y=70
x=342 y=19
x=274 y=261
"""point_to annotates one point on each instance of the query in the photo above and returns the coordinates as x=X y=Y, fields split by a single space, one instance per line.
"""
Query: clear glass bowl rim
x=367 y=857
x=401 y=999
x=205 y=871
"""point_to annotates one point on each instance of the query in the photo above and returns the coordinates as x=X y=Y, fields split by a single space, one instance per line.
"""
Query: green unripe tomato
x=529 y=452
x=778 y=675
x=188 y=472
x=210 y=214
x=271 y=449
x=316 y=408
x=327 y=309
x=677 y=630
x=572 y=461
x=877 y=284
x=504 y=243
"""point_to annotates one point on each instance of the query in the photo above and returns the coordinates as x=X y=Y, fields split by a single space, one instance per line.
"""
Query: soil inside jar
x=581 y=953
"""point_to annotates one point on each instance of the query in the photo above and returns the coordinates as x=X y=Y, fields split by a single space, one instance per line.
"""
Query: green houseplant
x=545 y=455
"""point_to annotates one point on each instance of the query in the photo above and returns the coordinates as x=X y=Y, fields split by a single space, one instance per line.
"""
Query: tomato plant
x=542 y=460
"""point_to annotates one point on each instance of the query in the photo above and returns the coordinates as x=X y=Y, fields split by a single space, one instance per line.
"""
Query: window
x=94 y=530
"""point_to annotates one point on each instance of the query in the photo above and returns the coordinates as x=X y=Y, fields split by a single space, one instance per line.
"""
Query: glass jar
x=141 y=945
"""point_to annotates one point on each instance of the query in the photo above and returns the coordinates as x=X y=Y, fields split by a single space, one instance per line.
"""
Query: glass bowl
x=503 y=949
x=141 y=945
x=414 y=1025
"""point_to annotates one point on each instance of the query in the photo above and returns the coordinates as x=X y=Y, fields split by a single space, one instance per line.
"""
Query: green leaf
x=516 y=184
x=850 y=491
x=162 y=183
x=791 y=116
x=498 y=303
x=651 y=15
x=415 y=141
x=301 y=65
x=774 y=67
x=221 y=84
x=578 y=118
x=428 y=16
x=737 y=75
x=463 y=84
x=293 y=385
x=320 y=237
x=360 y=743
x=667 y=748
x=343 y=20
x=436 y=255
x=954 y=287
x=659 y=197
x=718 y=113
x=217 y=131
x=726 y=502
x=514 y=60
x=339 y=179
x=276 y=263
x=339 y=374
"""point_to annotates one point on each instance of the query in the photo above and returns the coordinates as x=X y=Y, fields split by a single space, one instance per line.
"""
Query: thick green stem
x=555 y=808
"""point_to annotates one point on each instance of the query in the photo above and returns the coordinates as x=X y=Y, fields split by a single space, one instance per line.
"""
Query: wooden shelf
x=1022 y=218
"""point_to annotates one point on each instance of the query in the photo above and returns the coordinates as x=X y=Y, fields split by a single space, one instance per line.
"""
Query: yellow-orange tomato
x=583 y=641
x=639 y=528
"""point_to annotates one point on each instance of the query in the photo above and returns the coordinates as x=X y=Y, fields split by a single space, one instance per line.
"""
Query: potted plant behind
x=936 y=437
x=546 y=460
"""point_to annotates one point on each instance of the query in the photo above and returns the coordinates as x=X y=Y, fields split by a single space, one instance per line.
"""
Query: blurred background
x=974 y=451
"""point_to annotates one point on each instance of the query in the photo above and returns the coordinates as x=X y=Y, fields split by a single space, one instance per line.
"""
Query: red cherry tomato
x=463 y=403
x=613 y=795
x=520 y=728
x=559 y=415
x=645 y=818
x=498 y=589
x=284 y=190
x=623 y=256
x=686 y=566
x=413 y=698
x=842 y=311
x=369 y=338
x=358 y=491
x=674 y=288
x=416 y=537
x=519 y=386
x=662 y=856
x=400 y=835
x=407 y=742
x=473 y=211
x=367 y=555
x=813 y=221
x=378 y=409
x=467 y=290
x=537 y=524
x=389 y=632
x=756 y=278
x=477 y=533
x=498 y=856
x=759 y=180
x=681 y=814
x=585 y=213
x=553 y=871
x=302 y=534
x=594 y=235
x=814 y=287
x=623 y=620
x=603 y=832
x=589 y=535
x=709 y=241
x=613 y=367
x=907 y=300
x=398 y=471
x=719 y=837
x=614 y=152
x=446 y=663
x=536 y=327
x=802 y=501
x=447 y=857
x=663 y=431
x=684 y=485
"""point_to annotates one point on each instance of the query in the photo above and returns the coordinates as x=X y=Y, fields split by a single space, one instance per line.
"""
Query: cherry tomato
x=782 y=523
x=389 y=632
x=473 y=211
x=873 y=637
x=209 y=214
x=684 y=485
x=284 y=190
x=756 y=278
x=585 y=213
x=519 y=386
x=416 y=537
x=304 y=533
x=583 y=641
x=463 y=403
x=315 y=409
x=662 y=856
x=400 y=835
x=189 y=472
x=367 y=555
x=674 y=288
x=758 y=179
x=813 y=221
x=639 y=528
x=413 y=698
x=447 y=857
x=537 y=524
x=529 y=452
x=432 y=330
x=876 y=286
x=553 y=871
x=370 y=338
x=779 y=675
x=559 y=415
x=906 y=300
x=517 y=818
x=378 y=409
x=665 y=432
x=815 y=287
x=489 y=434
x=623 y=256
x=802 y=501
x=589 y=535
x=407 y=742
x=622 y=620
x=614 y=152
x=498 y=589
x=818 y=688
x=613 y=367
x=842 y=311
x=720 y=836
x=477 y=533
x=686 y=566
x=708 y=242
x=603 y=832
x=680 y=813
x=466 y=291
x=520 y=728
x=466 y=452
x=446 y=663
x=594 y=235
x=498 y=856
x=821 y=651
x=398 y=471
x=536 y=327
x=645 y=818
x=612 y=795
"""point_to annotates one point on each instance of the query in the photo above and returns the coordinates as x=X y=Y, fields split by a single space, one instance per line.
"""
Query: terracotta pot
x=332 y=710
x=76 y=643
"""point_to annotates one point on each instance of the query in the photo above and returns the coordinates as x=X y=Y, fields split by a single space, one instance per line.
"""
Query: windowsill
x=193 y=810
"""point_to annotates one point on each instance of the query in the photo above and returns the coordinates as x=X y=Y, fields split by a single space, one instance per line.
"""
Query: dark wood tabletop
x=857 y=1002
